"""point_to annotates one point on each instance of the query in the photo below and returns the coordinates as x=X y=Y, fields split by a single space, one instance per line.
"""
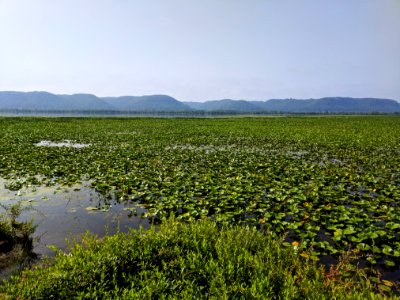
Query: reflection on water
x=62 y=213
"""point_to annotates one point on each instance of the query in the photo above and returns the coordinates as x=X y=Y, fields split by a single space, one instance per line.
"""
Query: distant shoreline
x=171 y=114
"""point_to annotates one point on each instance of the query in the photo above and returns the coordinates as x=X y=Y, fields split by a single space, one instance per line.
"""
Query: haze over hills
x=225 y=105
x=323 y=105
x=146 y=103
x=45 y=101
x=331 y=105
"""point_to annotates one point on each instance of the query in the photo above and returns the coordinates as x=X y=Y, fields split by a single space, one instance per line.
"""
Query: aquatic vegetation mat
x=331 y=184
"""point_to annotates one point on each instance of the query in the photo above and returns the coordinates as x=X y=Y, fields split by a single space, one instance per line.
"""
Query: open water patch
x=62 y=214
x=65 y=143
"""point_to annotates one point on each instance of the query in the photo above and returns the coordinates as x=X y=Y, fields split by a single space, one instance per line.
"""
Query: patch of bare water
x=65 y=143
x=66 y=213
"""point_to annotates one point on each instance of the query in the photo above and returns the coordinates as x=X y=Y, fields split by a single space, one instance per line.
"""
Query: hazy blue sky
x=203 y=49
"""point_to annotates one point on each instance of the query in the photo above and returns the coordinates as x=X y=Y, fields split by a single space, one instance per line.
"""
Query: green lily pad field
x=331 y=184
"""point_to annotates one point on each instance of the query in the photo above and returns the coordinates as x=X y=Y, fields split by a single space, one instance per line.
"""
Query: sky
x=197 y=50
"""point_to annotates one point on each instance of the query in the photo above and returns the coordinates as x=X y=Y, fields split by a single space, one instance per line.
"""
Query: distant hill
x=44 y=101
x=33 y=100
x=146 y=103
x=48 y=101
x=323 y=105
x=85 y=102
x=330 y=105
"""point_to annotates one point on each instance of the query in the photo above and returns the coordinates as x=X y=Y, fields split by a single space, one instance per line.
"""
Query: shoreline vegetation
x=16 y=241
x=199 y=260
x=244 y=207
x=176 y=114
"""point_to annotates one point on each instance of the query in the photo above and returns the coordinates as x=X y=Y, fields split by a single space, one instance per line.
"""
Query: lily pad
x=91 y=208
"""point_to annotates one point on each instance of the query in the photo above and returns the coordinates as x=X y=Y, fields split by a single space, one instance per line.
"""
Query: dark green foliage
x=178 y=261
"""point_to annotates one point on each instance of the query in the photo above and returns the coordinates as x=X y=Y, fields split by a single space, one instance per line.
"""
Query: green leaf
x=363 y=246
x=388 y=283
x=338 y=232
x=387 y=250
x=385 y=288
x=389 y=263
x=374 y=279
x=371 y=260
x=349 y=230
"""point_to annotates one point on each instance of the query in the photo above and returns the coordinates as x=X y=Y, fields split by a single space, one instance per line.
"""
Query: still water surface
x=66 y=213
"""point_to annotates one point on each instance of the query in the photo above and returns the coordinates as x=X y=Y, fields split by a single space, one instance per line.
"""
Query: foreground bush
x=184 y=261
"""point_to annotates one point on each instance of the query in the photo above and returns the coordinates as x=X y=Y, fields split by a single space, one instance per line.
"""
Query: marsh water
x=64 y=214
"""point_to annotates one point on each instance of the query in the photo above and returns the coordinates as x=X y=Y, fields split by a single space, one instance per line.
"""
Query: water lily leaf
x=371 y=260
x=385 y=288
x=381 y=232
x=305 y=255
x=204 y=212
x=338 y=232
x=393 y=226
x=389 y=263
x=374 y=279
x=387 y=283
x=363 y=246
x=355 y=239
x=387 y=250
x=375 y=249
x=349 y=230
x=89 y=208
x=132 y=209
x=332 y=250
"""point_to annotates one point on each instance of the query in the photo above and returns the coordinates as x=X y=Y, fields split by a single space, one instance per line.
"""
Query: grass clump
x=10 y=227
x=16 y=241
x=183 y=261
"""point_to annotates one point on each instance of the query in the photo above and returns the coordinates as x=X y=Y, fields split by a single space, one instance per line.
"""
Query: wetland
x=329 y=185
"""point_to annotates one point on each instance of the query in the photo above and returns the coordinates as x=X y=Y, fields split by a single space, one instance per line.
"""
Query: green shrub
x=182 y=261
